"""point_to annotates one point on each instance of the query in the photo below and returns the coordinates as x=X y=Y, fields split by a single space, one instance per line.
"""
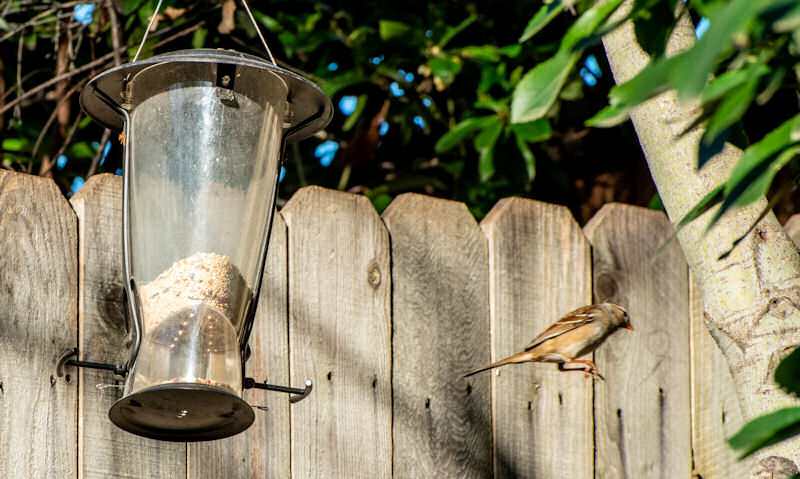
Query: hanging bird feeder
x=204 y=133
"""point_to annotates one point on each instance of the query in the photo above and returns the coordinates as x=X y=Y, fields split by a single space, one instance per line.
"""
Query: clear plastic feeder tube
x=204 y=159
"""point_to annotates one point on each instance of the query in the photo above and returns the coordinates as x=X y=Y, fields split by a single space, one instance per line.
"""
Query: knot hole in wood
x=605 y=288
x=374 y=274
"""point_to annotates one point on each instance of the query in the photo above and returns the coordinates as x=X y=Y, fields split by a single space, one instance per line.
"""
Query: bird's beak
x=628 y=326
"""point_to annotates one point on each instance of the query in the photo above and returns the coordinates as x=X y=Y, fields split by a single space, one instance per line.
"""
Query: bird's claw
x=594 y=373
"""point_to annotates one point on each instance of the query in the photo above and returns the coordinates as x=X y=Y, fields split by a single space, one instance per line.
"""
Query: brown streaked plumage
x=576 y=334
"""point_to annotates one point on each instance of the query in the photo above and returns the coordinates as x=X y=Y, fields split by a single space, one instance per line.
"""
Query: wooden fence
x=384 y=314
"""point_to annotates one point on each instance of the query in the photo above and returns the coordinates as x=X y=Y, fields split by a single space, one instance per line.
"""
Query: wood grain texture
x=262 y=450
x=38 y=322
x=339 y=335
x=642 y=420
x=104 y=450
x=716 y=414
x=539 y=270
x=440 y=309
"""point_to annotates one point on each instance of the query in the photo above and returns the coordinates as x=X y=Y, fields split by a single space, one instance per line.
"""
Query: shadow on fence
x=384 y=314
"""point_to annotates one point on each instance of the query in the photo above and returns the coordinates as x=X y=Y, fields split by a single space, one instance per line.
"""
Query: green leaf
x=130 y=6
x=545 y=14
x=655 y=203
x=532 y=131
x=790 y=20
x=766 y=430
x=724 y=83
x=527 y=156
x=333 y=85
x=608 y=117
x=199 y=38
x=16 y=144
x=654 y=27
x=381 y=201
x=484 y=143
x=445 y=68
x=461 y=130
x=731 y=109
x=539 y=88
x=754 y=171
x=587 y=23
x=787 y=374
x=691 y=75
x=651 y=81
x=81 y=150
x=794 y=134
x=572 y=91
x=269 y=22
x=390 y=29
x=453 y=31
x=490 y=53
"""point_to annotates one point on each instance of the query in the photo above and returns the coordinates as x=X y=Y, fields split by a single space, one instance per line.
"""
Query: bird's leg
x=584 y=369
x=591 y=368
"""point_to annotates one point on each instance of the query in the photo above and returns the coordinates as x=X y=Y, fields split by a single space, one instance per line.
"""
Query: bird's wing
x=575 y=319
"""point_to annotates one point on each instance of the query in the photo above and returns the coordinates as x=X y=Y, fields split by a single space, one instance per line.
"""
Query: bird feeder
x=203 y=132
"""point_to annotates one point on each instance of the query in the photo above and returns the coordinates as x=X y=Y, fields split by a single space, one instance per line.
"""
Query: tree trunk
x=751 y=297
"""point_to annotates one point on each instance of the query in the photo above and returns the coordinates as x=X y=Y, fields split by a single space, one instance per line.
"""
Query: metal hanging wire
x=144 y=38
x=258 y=30
x=249 y=14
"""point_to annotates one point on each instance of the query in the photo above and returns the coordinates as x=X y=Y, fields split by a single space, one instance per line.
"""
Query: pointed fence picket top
x=440 y=310
x=642 y=425
x=456 y=294
x=339 y=335
x=105 y=450
x=38 y=316
x=539 y=270
x=261 y=450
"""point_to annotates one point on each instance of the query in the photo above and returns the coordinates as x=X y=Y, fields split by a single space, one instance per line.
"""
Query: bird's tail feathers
x=517 y=358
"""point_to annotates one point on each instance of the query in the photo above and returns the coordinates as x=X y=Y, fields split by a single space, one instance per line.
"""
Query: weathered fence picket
x=642 y=421
x=440 y=302
x=384 y=315
x=339 y=335
x=105 y=451
x=716 y=414
x=539 y=269
x=261 y=450
x=38 y=322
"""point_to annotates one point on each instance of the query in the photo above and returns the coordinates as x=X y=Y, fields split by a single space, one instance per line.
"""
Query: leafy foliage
x=415 y=74
x=750 y=46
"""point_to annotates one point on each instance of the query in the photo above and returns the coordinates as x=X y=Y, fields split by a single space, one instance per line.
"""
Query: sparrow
x=576 y=334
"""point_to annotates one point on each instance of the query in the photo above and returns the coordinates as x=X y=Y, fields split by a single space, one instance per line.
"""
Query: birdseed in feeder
x=208 y=278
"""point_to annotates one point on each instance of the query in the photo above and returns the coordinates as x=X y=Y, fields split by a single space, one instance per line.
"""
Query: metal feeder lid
x=311 y=109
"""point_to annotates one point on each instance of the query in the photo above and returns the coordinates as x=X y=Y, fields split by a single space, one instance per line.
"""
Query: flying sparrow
x=576 y=334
